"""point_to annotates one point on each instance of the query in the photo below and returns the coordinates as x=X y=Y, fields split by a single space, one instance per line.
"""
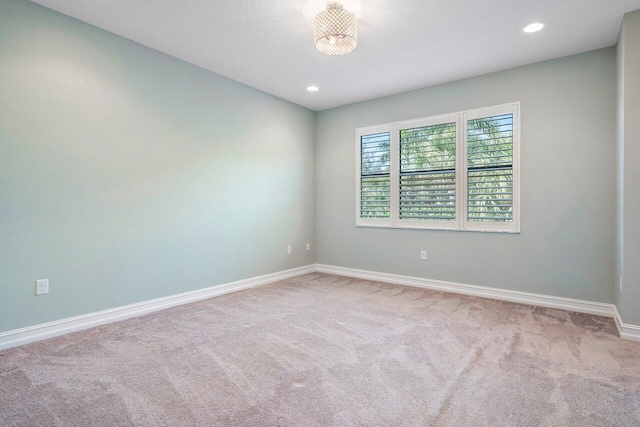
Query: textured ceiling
x=403 y=44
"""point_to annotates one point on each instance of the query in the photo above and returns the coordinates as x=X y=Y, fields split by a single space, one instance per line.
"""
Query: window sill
x=465 y=230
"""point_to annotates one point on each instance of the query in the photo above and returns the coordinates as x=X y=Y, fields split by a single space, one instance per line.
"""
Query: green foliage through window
x=428 y=172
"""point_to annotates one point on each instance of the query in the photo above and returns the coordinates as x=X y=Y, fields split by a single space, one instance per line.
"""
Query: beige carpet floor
x=327 y=350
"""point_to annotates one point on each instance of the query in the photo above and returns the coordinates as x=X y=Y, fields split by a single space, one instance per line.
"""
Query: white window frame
x=410 y=124
x=374 y=222
x=461 y=223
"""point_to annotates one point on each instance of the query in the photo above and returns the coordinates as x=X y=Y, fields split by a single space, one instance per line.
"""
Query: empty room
x=312 y=213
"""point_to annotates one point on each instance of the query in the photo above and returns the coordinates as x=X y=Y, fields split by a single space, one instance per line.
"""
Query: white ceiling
x=403 y=44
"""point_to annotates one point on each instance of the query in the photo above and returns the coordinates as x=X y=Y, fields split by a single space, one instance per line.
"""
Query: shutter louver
x=375 y=183
x=428 y=172
x=490 y=169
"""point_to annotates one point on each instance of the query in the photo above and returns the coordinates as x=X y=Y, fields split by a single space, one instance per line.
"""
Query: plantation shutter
x=375 y=183
x=457 y=171
x=490 y=169
x=428 y=173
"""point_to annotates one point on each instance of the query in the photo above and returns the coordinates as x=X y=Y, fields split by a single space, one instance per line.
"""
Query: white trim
x=60 y=327
x=461 y=171
x=579 y=306
x=626 y=331
x=394 y=177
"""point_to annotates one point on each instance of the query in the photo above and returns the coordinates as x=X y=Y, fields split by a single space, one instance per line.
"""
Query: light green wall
x=127 y=175
x=628 y=226
x=568 y=155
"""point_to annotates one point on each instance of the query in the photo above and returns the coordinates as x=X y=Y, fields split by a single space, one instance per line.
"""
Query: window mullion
x=515 y=167
x=461 y=172
x=395 y=176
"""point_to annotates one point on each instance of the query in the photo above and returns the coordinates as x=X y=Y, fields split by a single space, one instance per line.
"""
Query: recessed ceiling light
x=313 y=88
x=532 y=28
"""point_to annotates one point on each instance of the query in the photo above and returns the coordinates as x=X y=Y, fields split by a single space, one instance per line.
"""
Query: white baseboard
x=626 y=331
x=580 y=306
x=60 y=327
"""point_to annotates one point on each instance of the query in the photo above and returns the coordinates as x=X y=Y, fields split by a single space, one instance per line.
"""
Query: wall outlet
x=42 y=286
x=288 y=250
x=423 y=255
x=620 y=284
x=308 y=246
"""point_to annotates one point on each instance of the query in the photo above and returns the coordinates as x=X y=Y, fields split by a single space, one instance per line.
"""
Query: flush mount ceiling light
x=532 y=28
x=313 y=88
x=335 y=30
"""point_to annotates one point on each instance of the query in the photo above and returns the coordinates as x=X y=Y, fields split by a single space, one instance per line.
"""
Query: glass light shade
x=335 y=30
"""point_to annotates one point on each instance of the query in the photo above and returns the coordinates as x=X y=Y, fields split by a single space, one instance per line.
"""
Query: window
x=375 y=179
x=455 y=172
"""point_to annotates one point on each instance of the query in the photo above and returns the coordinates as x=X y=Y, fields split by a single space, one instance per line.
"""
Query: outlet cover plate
x=42 y=286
